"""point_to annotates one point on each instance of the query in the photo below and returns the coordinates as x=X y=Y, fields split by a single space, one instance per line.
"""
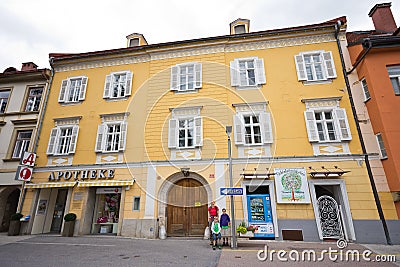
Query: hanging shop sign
x=28 y=159
x=23 y=173
x=81 y=175
x=291 y=185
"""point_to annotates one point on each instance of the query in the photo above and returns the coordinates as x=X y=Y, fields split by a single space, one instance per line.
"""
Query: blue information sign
x=231 y=191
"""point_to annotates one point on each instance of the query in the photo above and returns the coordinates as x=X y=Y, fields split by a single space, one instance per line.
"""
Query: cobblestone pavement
x=48 y=250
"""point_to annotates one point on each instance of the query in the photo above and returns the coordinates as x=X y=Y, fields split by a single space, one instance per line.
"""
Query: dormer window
x=134 y=42
x=240 y=26
x=240 y=29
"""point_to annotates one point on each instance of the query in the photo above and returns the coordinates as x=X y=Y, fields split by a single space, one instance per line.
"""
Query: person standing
x=213 y=212
x=225 y=222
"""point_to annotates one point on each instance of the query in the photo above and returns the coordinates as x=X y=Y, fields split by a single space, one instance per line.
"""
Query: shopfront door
x=58 y=213
x=187 y=209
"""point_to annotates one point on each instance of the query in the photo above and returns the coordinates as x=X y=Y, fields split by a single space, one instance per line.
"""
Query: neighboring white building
x=22 y=98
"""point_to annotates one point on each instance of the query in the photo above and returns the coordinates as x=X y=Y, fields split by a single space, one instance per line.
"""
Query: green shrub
x=16 y=217
x=70 y=217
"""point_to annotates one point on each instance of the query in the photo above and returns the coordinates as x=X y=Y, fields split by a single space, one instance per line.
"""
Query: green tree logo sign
x=291 y=182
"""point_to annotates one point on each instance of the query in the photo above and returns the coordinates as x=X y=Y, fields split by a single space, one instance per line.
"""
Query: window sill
x=66 y=104
x=317 y=82
x=249 y=87
x=11 y=160
x=115 y=99
x=192 y=91
x=366 y=100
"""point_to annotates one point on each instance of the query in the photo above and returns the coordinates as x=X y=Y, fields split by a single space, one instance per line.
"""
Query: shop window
x=136 y=204
x=106 y=212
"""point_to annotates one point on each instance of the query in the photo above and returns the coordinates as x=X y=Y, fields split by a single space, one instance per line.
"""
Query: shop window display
x=106 y=213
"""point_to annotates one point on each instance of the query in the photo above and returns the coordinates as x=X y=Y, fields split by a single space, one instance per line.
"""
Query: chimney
x=382 y=17
x=28 y=66
x=239 y=26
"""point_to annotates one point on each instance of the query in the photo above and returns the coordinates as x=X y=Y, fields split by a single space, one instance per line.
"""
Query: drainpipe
x=364 y=151
x=369 y=43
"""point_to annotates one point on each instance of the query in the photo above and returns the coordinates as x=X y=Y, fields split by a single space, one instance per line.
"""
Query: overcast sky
x=30 y=30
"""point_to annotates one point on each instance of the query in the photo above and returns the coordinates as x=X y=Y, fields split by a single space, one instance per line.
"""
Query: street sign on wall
x=231 y=191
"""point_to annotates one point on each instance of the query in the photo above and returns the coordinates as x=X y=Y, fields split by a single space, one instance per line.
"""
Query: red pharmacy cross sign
x=24 y=173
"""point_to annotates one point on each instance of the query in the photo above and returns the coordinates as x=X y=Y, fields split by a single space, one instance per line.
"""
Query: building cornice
x=188 y=50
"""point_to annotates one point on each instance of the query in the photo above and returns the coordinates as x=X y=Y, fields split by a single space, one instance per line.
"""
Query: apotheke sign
x=81 y=175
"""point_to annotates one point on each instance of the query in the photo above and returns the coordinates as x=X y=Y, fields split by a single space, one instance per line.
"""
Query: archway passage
x=187 y=209
x=10 y=208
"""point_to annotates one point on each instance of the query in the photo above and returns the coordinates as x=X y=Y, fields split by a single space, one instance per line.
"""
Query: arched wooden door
x=187 y=208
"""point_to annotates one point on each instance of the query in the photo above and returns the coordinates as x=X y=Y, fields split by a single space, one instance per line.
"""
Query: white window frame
x=190 y=113
x=102 y=134
x=381 y=145
x=364 y=85
x=79 y=93
x=327 y=65
x=180 y=72
x=55 y=138
x=18 y=150
x=264 y=124
x=237 y=72
x=341 y=125
x=124 y=89
x=4 y=101
x=394 y=75
x=33 y=100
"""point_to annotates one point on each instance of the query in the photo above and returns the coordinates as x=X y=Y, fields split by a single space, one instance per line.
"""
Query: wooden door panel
x=184 y=216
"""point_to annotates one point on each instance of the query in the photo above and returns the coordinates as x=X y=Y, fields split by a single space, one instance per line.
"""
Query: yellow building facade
x=134 y=139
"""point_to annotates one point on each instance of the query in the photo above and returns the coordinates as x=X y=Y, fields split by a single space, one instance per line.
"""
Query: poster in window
x=42 y=207
x=291 y=185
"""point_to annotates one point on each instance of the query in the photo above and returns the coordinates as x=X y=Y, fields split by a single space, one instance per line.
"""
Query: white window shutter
x=122 y=139
x=329 y=65
x=198 y=131
x=311 y=126
x=343 y=124
x=52 y=141
x=173 y=133
x=174 y=78
x=82 y=91
x=198 y=75
x=239 y=129
x=100 y=138
x=107 y=86
x=128 y=84
x=74 y=138
x=301 y=69
x=235 y=79
x=63 y=91
x=260 y=72
x=266 y=128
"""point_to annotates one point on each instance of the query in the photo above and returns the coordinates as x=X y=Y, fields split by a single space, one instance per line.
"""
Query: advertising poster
x=42 y=207
x=291 y=185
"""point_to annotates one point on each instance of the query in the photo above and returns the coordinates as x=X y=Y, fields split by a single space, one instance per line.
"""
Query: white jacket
x=212 y=228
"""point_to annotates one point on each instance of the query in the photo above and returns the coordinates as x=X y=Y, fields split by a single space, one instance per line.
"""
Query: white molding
x=150 y=192
x=186 y=163
x=220 y=179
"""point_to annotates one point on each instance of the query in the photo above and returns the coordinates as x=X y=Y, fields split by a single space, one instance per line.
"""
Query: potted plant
x=69 y=224
x=245 y=231
x=15 y=224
